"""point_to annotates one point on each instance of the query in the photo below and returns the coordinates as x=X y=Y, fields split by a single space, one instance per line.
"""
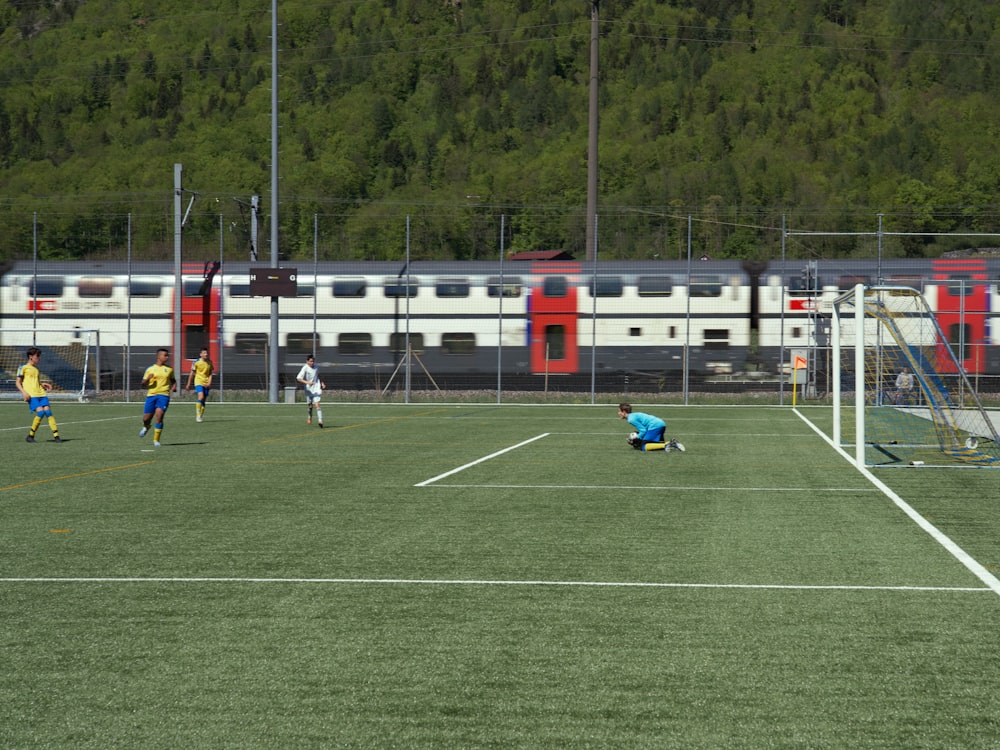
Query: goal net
x=70 y=360
x=901 y=397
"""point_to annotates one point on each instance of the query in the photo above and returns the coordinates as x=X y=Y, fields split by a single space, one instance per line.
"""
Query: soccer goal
x=882 y=331
x=70 y=360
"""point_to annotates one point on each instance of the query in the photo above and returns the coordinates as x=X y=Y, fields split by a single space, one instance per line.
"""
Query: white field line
x=658 y=488
x=961 y=555
x=62 y=423
x=480 y=460
x=480 y=582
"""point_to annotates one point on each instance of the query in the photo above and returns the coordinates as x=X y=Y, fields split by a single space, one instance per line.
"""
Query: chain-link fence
x=673 y=321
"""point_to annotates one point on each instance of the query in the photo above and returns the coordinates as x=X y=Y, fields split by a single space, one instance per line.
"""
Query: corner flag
x=800 y=363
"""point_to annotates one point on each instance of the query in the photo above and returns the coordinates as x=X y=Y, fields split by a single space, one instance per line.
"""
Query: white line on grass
x=961 y=555
x=480 y=460
x=483 y=582
x=658 y=488
x=64 y=423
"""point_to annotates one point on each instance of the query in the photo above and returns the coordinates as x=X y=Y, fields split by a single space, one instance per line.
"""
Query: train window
x=192 y=287
x=194 y=339
x=138 y=287
x=354 y=344
x=655 y=286
x=45 y=286
x=452 y=288
x=397 y=287
x=846 y=283
x=511 y=286
x=555 y=342
x=960 y=285
x=251 y=343
x=397 y=343
x=95 y=286
x=349 y=287
x=301 y=344
x=959 y=337
x=458 y=343
x=555 y=286
x=635 y=332
x=705 y=286
x=305 y=290
x=716 y=338
x=606 y=286
x=798 y=286
x=912 y=282
x=796 y=332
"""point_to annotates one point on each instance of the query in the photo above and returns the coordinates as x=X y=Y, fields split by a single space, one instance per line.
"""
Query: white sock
x=319 y=416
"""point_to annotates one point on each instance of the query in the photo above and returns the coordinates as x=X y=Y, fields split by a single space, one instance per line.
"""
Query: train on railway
x=462 y=320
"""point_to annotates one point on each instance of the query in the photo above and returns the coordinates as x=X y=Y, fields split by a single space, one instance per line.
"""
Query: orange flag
x=800 y=363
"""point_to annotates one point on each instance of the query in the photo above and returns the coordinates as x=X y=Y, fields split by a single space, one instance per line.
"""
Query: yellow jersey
x=160 y=380
x=30 y=380
x=202 y=369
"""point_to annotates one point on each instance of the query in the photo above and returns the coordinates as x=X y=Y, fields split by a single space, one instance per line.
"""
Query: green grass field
x=479 y=576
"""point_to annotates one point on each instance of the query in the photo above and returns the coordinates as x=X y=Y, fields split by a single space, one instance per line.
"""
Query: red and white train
x=467 y=319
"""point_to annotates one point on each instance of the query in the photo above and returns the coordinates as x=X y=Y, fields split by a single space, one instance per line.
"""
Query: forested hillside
x=428 y=122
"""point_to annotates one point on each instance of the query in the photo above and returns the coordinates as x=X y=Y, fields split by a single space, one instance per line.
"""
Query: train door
x=552 y=318
x=200 y=312
x=962 y=308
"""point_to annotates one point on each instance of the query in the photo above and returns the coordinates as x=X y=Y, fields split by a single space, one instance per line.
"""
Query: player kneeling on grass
x=648 y=435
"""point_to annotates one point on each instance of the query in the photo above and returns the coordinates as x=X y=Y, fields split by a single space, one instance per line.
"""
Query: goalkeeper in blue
x=648 y=431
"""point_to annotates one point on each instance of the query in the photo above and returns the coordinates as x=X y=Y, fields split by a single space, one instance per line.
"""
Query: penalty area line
x=480 y=460
x=487 y=582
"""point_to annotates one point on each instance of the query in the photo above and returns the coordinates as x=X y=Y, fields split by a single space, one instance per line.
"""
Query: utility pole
x=592 y=129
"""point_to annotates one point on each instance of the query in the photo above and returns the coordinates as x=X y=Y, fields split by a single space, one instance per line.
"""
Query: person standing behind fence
x=159 y=378
x=313 y=388
x=35 y=392
x=201 y=373
x=904 y=386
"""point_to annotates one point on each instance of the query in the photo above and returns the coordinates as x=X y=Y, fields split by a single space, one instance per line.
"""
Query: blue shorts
x=202 y=389
x=654 y=435
x=156 y=402
x=37 y=402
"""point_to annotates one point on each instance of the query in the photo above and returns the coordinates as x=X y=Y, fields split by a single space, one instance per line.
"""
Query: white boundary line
x=480 y=460
x=658 y=488
x=476 y=582
x=961 y=555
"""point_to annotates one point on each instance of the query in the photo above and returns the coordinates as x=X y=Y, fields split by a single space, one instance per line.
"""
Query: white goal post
x=70 y=360
x=928 y=416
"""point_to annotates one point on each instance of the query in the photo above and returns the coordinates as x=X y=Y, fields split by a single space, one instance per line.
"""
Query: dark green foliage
x=830 y=111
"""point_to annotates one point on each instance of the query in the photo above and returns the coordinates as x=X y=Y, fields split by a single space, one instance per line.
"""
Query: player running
x=313 y=388
x=201 y=373
x=159 y=378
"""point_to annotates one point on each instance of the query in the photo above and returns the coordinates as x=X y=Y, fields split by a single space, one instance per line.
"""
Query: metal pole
x=178 y=282
x=592 y=128
x=687 y=334
x=34 y=279
x=500 y=318
x=407 y=337
x=273 y=358
x=128 y=311
x=220 y=330
x=593 y=324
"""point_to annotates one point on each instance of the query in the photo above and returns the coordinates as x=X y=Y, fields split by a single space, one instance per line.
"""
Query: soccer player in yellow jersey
x=201 y=373
x=36 y=393
x=159 y=378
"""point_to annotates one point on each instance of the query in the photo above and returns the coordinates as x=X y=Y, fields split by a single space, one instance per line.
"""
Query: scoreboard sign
x=273 y=282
